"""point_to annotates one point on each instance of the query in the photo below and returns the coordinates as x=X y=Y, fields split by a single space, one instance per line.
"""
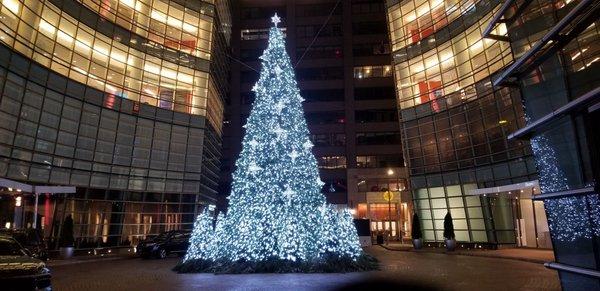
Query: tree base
x=328 y=264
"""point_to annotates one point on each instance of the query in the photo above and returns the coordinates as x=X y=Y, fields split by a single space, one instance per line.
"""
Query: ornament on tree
x=307 y=145
x=300 y=233
x=254 y=167
x=280 y=132
x=289 y=193
x=278 y=71
x=279 y=107
x=253 y=143
x=294 y=155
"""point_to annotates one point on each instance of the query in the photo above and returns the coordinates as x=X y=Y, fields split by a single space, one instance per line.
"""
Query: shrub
x=448 y=227
x=66 y=236
x=416 y=227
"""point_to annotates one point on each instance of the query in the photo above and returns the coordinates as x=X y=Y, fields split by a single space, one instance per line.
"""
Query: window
x=451 y=69
x=107 y=64
x=376 y=115
x=323 y=73
x=374 y=93
x=410 y=22
x=328 y=139
x=323 y=95
x=262 y=12
x=372 y=72
x=332 y=162
x=328 y=117
x=321 y=52
x=380 y=185
x=318 y=9
x=371 y=49
x=381 y=161
x=377 y=138
x=330 y=30
x=365 y=7
x=250 y=54
x=258 y=33
x=370 y=28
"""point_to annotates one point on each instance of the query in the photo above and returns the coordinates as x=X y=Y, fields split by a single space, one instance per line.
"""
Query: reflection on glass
x=74 y=50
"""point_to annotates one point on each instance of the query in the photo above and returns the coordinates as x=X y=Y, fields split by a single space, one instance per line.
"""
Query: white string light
x=276 y=208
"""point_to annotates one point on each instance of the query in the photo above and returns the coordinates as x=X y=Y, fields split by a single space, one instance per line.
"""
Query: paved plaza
x=439 y=271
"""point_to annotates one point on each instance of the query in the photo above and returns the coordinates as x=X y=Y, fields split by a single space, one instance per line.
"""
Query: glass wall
x=54 y=39
x=465 y=136
x=414 y=20
x=434 y=203
x=162 y=21
x=566 y=151
x=454 y=124
x=54 y=130
x=453 y=66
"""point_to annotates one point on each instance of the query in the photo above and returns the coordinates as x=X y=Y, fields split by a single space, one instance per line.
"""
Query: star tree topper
x=275 y=19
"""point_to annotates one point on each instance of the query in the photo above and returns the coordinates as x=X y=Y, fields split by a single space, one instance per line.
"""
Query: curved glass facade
x=122 y=100
x=454 y=123
x=162 y=21
x=453 y=66
x=60 y=42
x=413 y=20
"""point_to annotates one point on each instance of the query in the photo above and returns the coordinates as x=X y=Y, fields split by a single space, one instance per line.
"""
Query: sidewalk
x=521 y=254
x=87 y=259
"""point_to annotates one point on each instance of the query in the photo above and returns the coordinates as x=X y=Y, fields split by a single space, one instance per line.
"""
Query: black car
x=20 y=271
x=166 y=243
x=31 y=240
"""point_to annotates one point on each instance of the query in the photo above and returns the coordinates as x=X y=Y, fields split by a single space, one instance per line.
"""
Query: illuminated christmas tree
x=277 y=220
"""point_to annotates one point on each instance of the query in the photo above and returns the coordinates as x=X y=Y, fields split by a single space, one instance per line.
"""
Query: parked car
x=166 y=243
x=31 y=240
x=19 y=270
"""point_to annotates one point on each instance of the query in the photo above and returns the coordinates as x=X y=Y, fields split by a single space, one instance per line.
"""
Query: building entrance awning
x=532 y=187
x=36 y=191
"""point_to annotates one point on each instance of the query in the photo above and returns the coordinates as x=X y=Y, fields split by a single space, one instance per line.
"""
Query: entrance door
x=384 y=226
x=532 y=231
x=500 y=219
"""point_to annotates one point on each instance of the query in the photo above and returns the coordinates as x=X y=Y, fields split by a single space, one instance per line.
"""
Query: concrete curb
x=58 y=263
x=458 y=253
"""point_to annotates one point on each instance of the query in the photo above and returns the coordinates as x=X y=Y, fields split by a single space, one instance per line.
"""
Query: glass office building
x=455 y=124
x=556 y=45
x=121 y=99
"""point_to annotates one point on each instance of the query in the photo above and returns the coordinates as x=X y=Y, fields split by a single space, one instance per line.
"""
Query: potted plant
x=67 y=241
x=417 y=235
x=449 y=233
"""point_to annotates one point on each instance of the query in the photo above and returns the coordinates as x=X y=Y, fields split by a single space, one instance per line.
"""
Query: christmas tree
x=278 y=220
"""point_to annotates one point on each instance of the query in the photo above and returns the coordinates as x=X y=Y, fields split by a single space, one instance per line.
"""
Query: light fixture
x=390 y=172
x=12 y=5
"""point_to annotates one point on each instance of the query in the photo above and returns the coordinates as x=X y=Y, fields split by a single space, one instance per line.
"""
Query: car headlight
x=43 y=270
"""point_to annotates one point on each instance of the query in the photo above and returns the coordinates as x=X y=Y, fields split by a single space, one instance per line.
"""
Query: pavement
x=521 y=254
x=399 y=270
x=86 y=259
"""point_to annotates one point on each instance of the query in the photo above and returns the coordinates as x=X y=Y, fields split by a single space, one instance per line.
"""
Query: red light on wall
x=109 y=101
